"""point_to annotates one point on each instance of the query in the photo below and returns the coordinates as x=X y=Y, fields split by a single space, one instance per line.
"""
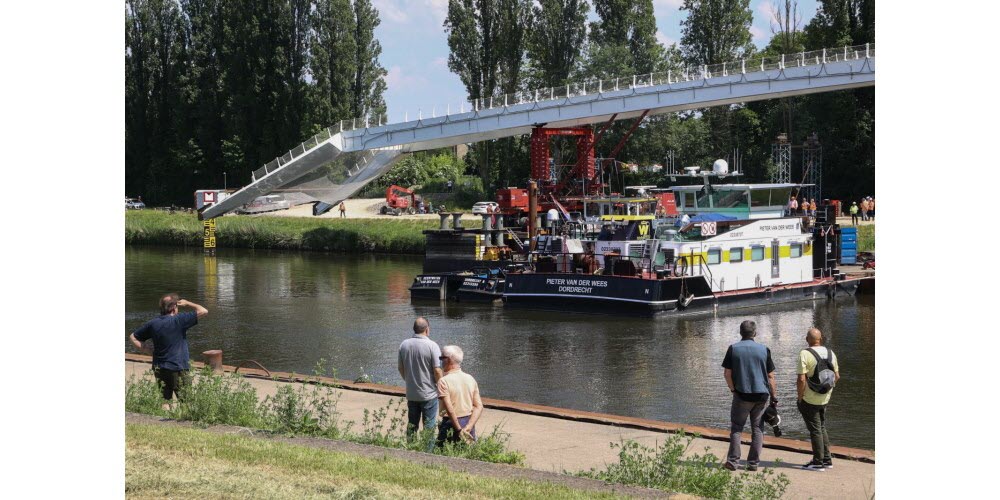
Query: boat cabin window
x=730 y=198
x=760 y=198
x=688 y=200
x=714 y=256
x=756 y=253
x=736 y=254
x=796 y=250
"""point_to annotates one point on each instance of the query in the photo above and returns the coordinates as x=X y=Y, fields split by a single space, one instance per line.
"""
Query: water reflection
x=288 y=310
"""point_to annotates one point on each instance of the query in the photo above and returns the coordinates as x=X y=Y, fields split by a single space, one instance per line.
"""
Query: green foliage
x=149 y=227
x=215 y=89
x=716 y=31
x=670 y=467
x=556 y=40
x=866 y=238
x=302 y=409
x=219 y=399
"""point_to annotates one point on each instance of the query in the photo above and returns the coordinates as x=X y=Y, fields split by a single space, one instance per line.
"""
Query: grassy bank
x=303 y=410
x=165 y=461
x=149 y=227
x=866 y=238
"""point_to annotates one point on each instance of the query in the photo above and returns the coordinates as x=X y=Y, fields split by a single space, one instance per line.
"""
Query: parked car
x=484 y=207
x=131 y=204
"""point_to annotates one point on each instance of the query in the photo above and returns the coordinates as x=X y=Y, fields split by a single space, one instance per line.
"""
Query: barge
x=728 y=246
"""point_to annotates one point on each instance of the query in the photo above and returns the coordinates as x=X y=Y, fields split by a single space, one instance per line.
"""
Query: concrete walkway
x=573 y=444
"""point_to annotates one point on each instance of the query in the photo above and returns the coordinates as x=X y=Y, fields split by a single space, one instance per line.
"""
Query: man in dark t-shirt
x=168 y=331
x=749 y=373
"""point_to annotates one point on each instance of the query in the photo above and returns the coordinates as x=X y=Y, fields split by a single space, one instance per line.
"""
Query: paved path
x=557 y=445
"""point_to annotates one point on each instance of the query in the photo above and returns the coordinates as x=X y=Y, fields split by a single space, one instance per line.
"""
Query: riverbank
x=558 y=440
x=149 y=227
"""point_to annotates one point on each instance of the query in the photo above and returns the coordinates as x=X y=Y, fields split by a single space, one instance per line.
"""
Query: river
x=288 y=310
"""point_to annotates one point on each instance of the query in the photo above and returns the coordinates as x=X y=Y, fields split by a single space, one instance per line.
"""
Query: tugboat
x=733 y=246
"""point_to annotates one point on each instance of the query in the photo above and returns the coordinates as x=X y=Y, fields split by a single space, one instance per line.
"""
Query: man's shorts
x=172 y=381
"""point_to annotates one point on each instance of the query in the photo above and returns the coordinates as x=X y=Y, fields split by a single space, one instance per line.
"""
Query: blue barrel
x=849 y=245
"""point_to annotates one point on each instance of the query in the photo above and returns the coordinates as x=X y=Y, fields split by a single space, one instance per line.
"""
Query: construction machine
x=398 y=200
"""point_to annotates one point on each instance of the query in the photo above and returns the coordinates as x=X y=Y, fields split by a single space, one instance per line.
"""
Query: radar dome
x=720 y=167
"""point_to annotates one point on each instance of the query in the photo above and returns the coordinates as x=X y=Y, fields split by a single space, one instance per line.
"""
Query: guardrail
x=588 y=87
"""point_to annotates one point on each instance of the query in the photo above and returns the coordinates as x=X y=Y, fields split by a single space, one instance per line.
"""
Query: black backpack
x=823 y=378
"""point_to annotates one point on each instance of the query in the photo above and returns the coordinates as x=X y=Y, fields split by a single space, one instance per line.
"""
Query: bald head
x=168 y=303
x=814 y=336
x=420 y=326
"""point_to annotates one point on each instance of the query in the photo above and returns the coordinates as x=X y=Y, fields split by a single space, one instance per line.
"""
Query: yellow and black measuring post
x=209 y=236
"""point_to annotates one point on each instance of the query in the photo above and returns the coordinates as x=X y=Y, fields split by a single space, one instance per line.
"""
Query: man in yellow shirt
x=812 y=404
x=461 y=405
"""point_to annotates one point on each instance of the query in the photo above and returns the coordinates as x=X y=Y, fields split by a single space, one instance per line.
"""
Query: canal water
x=289 y=310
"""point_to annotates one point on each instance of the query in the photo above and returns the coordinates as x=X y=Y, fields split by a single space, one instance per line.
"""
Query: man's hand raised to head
x=201 y=311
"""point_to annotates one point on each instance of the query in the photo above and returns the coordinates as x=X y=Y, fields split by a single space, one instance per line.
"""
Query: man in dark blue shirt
x=168 y=331
x=749 y=374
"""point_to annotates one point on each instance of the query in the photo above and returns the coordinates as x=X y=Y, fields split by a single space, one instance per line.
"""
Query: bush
x=302 y=409
x=667 y=468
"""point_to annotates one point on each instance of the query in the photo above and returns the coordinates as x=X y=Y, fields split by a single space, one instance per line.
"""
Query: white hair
x=454 y=353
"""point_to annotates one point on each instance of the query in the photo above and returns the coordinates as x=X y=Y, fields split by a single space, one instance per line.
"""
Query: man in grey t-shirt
x=420 y=367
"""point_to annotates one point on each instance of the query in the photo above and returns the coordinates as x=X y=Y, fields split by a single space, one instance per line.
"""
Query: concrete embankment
x=557 y=440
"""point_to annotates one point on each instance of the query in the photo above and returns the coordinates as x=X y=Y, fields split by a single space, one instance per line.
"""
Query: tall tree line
x=217 y=88
x=492 y=58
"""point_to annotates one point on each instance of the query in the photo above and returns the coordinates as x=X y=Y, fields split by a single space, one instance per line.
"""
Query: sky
x=415 y=49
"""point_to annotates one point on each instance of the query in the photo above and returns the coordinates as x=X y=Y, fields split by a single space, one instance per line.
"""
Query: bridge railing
x=686 y=74
x=589 y=87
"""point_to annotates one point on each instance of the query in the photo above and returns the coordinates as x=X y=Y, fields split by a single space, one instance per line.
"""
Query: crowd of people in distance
x=801 y=207
x=441 y=396
x=866 y=209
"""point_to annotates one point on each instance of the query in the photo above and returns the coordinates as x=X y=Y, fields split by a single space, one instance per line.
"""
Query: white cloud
x=668 y=4
x=441 y=62
x=391 y=10
x=665 y=40
x=416 y=13
x=398 y=79
x=758 y=34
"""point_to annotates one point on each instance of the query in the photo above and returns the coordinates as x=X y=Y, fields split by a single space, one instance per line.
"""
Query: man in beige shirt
x=460 y=402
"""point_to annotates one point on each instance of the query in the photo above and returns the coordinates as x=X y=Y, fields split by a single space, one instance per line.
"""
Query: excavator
x=397 y=202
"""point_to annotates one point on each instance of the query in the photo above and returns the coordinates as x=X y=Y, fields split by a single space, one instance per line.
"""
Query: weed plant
x=402 y=236
x=302 y=410
x=669 y=467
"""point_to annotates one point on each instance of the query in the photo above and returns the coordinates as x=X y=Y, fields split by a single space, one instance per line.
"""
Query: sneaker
x=816 y=466
x=729 y=466
x=828 y=464
x=751 y=467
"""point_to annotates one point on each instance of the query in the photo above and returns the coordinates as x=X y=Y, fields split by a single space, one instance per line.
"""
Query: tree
x=369 y=75
x=333 y=63
x=717 y=31
x=487 y=43
x=155 y=60
x=626 y=24
x=558 y=32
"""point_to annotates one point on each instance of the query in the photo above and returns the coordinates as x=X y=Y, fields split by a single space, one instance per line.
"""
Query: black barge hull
x=586 y=293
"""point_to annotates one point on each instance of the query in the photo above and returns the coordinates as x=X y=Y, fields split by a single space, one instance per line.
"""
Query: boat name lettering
x=576 y=282
x=430 y=280
x=472 y=282
x=779 y=227
x=736 y=234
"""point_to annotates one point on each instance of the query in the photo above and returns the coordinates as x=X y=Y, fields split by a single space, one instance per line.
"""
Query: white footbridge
x=339 y=161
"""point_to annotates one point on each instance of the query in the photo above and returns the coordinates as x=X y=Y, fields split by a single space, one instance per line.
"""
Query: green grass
x=302 y=410
x=403 y=236
x=866 y=238
x=166 y=461
x=669 y=466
